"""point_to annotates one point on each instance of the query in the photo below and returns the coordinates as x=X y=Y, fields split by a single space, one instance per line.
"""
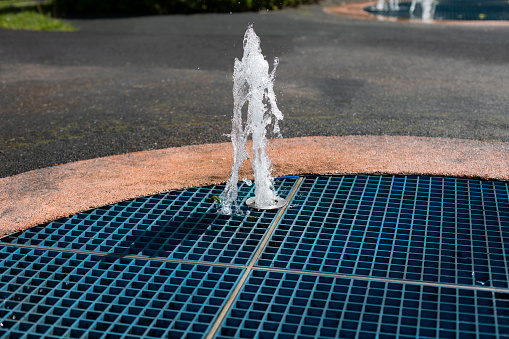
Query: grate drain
x=177 y=225
x=289 y=305
x=351 y=256
x=431 y=229
x=58 y=294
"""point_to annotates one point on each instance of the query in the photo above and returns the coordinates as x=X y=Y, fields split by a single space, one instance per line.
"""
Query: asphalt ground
x=130 y=84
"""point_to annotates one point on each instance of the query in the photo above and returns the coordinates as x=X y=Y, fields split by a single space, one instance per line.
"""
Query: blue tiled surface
x=351 y=257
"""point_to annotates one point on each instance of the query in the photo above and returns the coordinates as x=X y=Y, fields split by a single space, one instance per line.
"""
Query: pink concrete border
x=35 y=197
x=356 y=10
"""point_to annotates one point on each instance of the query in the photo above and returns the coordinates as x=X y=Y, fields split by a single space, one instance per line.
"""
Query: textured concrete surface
x=43 y=195
x=141 y=83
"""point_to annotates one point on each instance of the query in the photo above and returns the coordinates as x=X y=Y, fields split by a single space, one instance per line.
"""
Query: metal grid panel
x=421 y=232
x=177 y=225
x=287 y=305
x=430 y=229
x=60 y=295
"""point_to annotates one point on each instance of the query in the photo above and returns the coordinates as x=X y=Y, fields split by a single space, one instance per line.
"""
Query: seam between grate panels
x=271 y=269
x=129 y=256
x=384 y=280
x=242 y=281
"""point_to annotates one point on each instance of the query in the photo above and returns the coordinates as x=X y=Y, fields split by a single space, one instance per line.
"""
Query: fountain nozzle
x=278 y=203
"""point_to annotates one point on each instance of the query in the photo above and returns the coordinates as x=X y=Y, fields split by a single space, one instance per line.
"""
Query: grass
x=33 y=21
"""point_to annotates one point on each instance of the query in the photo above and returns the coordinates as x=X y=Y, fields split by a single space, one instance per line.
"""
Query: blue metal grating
x=288 y=305
x=177 y=225
x=431 y=229
x=352 y=256
x=61 y=295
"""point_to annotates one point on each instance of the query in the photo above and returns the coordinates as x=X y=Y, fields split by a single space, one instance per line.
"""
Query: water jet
x=253 y=85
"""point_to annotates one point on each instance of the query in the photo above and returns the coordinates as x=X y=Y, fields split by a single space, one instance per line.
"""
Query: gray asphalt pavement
x=140 y=83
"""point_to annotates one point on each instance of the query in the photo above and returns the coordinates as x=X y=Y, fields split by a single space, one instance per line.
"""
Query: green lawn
x=33 y=21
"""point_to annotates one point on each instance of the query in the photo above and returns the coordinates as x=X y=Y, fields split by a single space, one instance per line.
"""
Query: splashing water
x=428 y=9
x=252 y=84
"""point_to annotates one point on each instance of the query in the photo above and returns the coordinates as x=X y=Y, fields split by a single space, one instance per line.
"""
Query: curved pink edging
x=39 y=196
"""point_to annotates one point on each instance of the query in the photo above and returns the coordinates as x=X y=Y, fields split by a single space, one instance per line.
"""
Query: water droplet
x=13 y=317
x=247 y=181
x=1 y=324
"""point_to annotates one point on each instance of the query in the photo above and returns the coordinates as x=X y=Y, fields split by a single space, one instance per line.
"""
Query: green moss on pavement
x=33 y=21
